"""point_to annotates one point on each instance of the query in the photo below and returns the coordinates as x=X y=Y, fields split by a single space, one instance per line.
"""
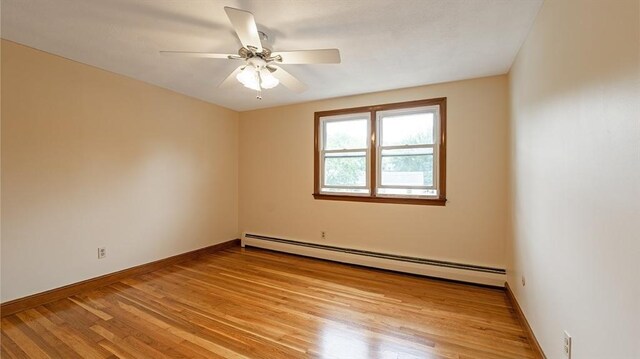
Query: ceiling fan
x=260 y=69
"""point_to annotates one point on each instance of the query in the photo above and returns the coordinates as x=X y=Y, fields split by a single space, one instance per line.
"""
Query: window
x=391 y=153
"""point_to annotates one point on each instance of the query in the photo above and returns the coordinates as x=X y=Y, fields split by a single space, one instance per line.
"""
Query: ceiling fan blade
x=325 y=56
x=210 y=55
x=287 y=79
x=245 y=26
x=231 y=78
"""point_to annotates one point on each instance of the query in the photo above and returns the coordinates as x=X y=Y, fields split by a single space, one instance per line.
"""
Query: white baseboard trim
x=433 y=268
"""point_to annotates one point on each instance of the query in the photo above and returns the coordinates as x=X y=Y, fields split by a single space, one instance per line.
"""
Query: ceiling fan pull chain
x=259 y=95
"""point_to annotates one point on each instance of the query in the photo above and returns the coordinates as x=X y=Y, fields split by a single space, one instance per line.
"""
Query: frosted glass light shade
x=268 y=81
x=249 y=78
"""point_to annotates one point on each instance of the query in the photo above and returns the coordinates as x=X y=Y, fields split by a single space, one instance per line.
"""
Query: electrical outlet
x=323 y=234
x=102 y=252
x=567 y=345
x=524 y=282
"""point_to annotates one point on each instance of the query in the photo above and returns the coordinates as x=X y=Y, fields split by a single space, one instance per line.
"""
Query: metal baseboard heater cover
x=431 y=262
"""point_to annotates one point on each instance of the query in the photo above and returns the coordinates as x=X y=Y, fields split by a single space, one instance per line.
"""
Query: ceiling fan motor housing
x=247 y=54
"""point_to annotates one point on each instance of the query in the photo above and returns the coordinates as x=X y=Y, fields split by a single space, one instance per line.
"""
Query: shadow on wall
x=90 y=158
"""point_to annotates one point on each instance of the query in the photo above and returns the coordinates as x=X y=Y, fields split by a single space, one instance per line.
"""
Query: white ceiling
x=384 y=44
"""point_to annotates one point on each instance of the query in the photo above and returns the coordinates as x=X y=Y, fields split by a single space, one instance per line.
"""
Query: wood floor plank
x=10 y=349
x=11 y=326
x=252 y=303
x=61 y=350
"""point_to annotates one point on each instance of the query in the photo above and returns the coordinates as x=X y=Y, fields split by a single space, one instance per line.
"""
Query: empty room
x=332 y=179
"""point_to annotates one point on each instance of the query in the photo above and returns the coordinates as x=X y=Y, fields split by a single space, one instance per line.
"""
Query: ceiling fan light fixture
x=267 y=80
x=249 y=78
x=257 y=79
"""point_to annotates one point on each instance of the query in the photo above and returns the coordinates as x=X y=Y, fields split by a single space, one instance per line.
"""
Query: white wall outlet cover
x=567 y=345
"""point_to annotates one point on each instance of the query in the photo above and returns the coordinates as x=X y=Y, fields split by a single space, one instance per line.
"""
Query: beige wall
x=92 y=159
x=276 y=180
x=575 y=108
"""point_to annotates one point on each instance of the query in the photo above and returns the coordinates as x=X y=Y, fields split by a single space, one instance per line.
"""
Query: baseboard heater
x=422 y=266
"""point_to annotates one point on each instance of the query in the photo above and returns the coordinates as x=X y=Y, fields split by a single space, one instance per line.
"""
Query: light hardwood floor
x=251 y=303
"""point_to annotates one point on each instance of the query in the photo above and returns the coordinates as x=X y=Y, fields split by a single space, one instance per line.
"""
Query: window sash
x=323 y=154
x=367 y=156
x=380 y=115
x=379 y=169
x=342 y=118
x=435 y=110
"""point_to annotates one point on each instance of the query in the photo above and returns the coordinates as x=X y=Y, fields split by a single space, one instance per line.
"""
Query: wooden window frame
x=440 y=200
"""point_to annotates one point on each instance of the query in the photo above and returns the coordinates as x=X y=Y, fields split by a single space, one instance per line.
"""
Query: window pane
x=344 y=135
x=410 y=129
x=407 y=167
x=345 y=169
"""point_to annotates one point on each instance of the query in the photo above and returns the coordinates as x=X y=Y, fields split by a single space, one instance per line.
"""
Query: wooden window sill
x=397 y=200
